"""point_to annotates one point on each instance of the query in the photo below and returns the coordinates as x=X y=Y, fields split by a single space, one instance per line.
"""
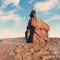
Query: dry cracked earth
x=25 y=51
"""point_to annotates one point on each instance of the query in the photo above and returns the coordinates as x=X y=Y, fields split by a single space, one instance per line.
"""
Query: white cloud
x=58 y=7
x=14 y=2
x=10 y=33
x=1 y=12
x=11 y=12
x=10 y=16
x=55 y=31
x=46 y=6
x=7 y=17
x=53 y=18
x=30 y=1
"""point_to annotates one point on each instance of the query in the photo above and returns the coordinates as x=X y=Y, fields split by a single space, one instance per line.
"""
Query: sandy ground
x=25 y=51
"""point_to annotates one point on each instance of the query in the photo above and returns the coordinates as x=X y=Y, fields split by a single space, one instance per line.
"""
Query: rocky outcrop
x=37 y=31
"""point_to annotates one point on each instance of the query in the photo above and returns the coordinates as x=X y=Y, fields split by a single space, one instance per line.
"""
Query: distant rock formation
x=37 y=30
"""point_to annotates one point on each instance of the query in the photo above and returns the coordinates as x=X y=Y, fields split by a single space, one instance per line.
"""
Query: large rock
x=37 y=31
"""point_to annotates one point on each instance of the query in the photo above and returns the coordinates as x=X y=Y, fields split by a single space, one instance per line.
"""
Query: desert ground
x=30 y=51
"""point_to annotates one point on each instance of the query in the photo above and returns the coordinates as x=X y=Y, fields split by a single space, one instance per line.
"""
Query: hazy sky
x=14 y=16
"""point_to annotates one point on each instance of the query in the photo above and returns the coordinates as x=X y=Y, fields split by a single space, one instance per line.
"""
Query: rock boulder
x=37 y=31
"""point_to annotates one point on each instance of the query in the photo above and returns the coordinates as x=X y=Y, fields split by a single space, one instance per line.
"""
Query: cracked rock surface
x=37 y=31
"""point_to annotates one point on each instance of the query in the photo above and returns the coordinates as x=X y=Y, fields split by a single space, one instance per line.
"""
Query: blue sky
x=14 y=16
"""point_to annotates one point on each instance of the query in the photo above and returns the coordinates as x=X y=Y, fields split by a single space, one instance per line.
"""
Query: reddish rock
x=37 y=31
